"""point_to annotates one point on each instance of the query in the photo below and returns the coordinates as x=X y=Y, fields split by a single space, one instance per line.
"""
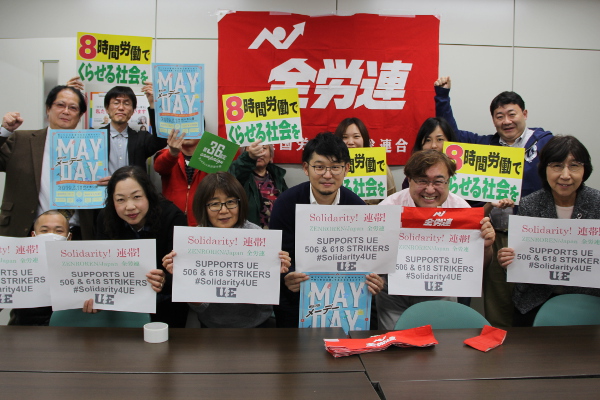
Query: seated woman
x=565 y=165
x=355 y=134
x=135 y=210
x=263 y=181
x=432 y=135
x=220 y=202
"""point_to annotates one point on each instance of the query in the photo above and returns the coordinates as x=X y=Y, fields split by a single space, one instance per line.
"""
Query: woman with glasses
x=220 y=202
x=135 y=210
x=565 y=165
x=355 y=134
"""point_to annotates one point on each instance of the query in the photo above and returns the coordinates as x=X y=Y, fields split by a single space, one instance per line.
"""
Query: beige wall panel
x=557 y=24
x=462 y=21
x=64 y=18
x=478 y=74
x=560 y=89
x=198 y=19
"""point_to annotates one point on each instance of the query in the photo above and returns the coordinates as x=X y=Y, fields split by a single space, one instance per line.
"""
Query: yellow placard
x=114 y=48
x=365 y=161
x=260 y=106
x=486 y=160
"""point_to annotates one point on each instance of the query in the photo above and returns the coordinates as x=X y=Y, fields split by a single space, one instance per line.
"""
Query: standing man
x=509 y=117
x=127 y=146
x=24 y=156
x=428 y=173
x=325 y=160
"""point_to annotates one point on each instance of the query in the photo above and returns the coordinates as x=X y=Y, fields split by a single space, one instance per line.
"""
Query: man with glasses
x=127 y=146
x=428 y=173
x=325 y=160
x=24 y=156
x=509 y=117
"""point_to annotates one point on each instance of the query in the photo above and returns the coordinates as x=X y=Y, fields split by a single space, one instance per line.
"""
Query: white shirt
x=118 y=156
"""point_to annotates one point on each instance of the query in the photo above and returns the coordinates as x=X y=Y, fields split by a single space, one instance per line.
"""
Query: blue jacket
x=531 y=179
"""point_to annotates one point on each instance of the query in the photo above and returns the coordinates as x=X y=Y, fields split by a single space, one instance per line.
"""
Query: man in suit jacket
x=24 y=157
x=127 y=146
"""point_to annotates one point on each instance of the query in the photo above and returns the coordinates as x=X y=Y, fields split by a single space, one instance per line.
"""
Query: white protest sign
x=216 y=265
x=346 y=238
x=111 y=272
x=438 y=262
x=554 y=251
x=23 y=273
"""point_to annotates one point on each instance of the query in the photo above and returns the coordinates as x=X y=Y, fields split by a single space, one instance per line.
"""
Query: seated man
x=51 y=225
x=428 y=173
x=325 y=160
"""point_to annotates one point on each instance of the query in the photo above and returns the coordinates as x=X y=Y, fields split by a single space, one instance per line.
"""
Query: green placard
x=213 y=154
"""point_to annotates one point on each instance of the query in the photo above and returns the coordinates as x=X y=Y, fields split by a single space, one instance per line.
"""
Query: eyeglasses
x=229 y=204
x=574 y=166
x=321 y=169
x=61 y=106
x=423 y=183
x=117 y=103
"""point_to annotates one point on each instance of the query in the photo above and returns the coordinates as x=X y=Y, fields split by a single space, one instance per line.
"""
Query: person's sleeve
x=443 y=109
x=164 y=162
x=281 y=219
x=391 y=185
x=152 y=143
x=242 y=167
x=5 y=132
x=100 y=233
x=198 y=308
x=7 y=144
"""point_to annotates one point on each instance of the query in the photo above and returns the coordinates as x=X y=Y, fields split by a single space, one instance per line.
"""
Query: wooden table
x=216 y=351
x=543 y=352
x=92 y=386
x=547 y=389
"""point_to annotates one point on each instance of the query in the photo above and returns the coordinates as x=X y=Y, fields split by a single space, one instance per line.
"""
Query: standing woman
x=355 y=134
x=565 y=165
x=135 y=210
x=432 y=135
x=262 y=180
x=221 y=202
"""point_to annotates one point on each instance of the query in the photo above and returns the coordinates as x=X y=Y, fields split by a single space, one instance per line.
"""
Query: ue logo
x=276 y=38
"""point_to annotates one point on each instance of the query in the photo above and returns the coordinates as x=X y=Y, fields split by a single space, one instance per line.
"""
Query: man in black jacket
x=127 y=146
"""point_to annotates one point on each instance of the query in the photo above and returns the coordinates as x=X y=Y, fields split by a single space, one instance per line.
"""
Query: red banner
x=379 y=69
x=442 y=218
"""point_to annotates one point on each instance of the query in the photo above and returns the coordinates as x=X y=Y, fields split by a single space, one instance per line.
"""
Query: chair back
x=569 y=309
x=440 y=314
x=115 y=319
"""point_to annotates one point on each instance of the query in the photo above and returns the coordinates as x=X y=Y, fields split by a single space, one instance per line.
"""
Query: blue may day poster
x=179 y=98
x=78 y=159
x=335 y=300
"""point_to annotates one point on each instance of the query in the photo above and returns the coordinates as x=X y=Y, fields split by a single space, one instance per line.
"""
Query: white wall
x=546 y=50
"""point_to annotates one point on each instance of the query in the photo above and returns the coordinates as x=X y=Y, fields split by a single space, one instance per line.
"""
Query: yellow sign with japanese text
x=367 y=176
x=113 y=59
x=114 y=48
x=486 y=173
x=272 y=116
